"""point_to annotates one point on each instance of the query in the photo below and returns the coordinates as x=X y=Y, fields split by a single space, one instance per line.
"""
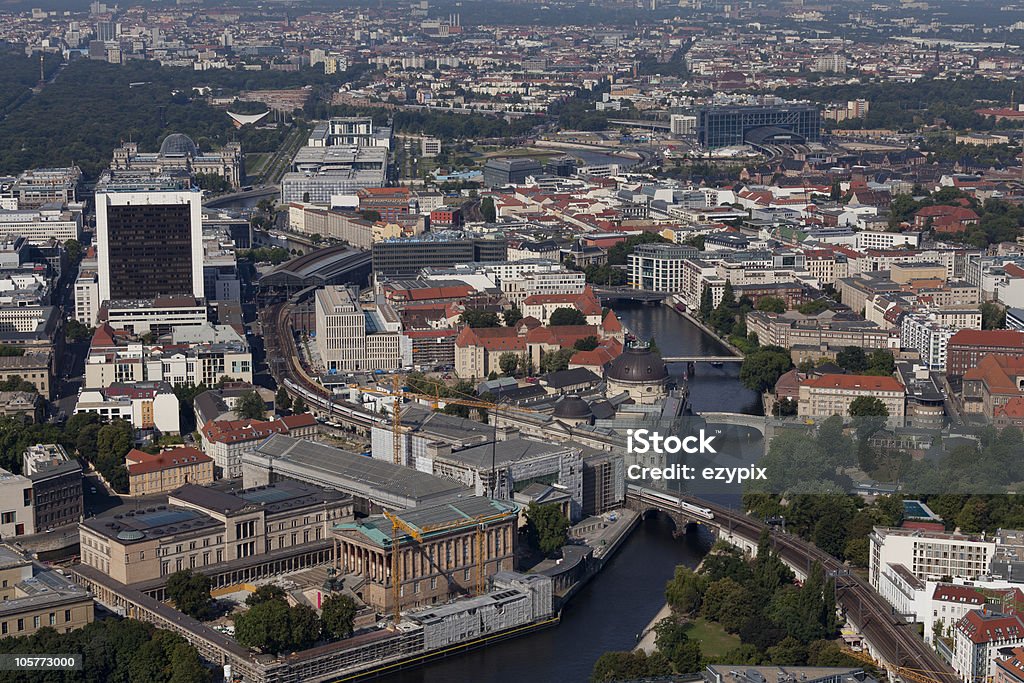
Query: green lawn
x=255 y=161
x=714 y=640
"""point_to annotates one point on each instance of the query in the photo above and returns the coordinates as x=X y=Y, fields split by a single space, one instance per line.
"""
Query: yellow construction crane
x=398 y=393
x=397 y=524
x=907 y=674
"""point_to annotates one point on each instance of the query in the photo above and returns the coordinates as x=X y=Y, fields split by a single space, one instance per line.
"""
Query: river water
x=606 y=615
x=620 y=601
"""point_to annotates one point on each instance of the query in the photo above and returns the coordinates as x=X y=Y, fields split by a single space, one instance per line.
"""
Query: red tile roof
x=234 y=431
x=986 y=627
x=1002 y=338
x=855 y=382
x=141 y=462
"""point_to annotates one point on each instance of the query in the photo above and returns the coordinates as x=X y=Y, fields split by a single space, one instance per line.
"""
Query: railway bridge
x=889 y=639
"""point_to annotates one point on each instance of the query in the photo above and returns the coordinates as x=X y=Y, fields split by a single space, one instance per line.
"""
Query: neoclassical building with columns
x=439 y=565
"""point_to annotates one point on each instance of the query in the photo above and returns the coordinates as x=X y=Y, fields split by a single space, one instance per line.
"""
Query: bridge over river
x=889 y=639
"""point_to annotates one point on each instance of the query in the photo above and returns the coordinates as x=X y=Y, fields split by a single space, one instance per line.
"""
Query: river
x=606 y=615
x=711 y=389
x=620 y=601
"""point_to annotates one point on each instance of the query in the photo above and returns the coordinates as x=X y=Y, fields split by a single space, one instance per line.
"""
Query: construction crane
x=399 y=524
x=907 y=674
x=397 y=392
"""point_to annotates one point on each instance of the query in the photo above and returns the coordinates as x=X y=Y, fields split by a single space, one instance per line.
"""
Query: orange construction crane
x=398 y=393
x=907 y=674
x=397 y=523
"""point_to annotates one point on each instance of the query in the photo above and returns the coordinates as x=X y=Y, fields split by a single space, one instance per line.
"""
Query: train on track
x=671 y=500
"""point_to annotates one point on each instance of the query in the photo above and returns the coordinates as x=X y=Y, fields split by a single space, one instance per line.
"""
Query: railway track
x=893 y=639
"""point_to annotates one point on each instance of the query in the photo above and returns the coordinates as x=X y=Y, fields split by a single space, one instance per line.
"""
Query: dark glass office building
x=405 y=257
x=726 y=126
x=149 y=244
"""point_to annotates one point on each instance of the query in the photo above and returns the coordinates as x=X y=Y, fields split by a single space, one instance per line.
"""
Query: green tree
x=588 y=343
x=477 y=318
x=881 y=362
x=299 y=406
x=304 y=627
x=763 y=367
x=282 y=400
x=672 y=641
x=265 y=593
x=553 y=361
x=813 y=307
x=251 y=406
x=868 y=406
x=789 y=652
x=512 y=316
x=852 y=359
x=771 y=304
x=993 y=316
x=508 y=362
x=685 y=591
x=707 y=304
x=546 y=527
x=185 y=665
x=77 y=332
x=190 y=592
x=785 y=407
x=629 y=666
x=488 y=210
x=73 y=250
x=265 y=626
x=338 y=614
x=567 y=316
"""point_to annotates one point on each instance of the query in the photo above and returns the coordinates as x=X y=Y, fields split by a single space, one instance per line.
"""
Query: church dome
x=638 y=364
x=572 y=407
x=178 y=145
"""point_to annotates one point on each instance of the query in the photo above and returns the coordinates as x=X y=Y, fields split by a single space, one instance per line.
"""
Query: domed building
x=179 y=155
x=572 y=410
x=640 y=372
x=178 y=145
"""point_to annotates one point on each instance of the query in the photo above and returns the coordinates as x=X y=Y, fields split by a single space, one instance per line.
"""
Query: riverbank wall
x=676 y=306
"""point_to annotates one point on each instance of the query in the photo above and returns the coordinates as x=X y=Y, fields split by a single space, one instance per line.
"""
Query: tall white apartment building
x=929 y=554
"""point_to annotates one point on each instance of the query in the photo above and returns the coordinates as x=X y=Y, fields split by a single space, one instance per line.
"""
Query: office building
x=149 y=243
x=967 y=348
x=49 y=222
x=659 y=267
x=441 y=562
x=682 y=124
x=56 y=481
x=739 y=125
x=42 y=186
x=342 y=155
x=406 y=256
x=147 y=405
x=509 y=171
x=353 y=336
x=980 y=638
x=199 y=354
x=35 y=367
x=159 y=315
